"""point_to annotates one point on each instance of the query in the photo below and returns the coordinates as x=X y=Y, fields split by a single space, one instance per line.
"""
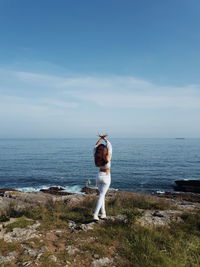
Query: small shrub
x=4 y=218
x=132 y=214
x=34 y=213
x=92 y=248
x=21 y=222
x=191 y=223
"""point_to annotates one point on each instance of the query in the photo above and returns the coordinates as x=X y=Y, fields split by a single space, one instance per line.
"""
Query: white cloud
x=82 y=103
x=58 y=103
x=12 y=106
x=128 y=92
x=15 y=107
x=111 y=92
x=132 y=100
x=38 y=79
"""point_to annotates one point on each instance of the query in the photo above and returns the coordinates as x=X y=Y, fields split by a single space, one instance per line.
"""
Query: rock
x=29 y=197
x=88 y=226
x=21 y=234
x=67 y=263
x=89 y=190
x=22 y=200
x=191 y=197
x=27 y=263
x=102 y=262
x=56 y=191
x=119 y=217
x=72 y=250
x=159 y=218
x=72 y=200
x=82 y=227
x=59 y=233
x=3 y=190
x=39 y=256
x=31 y=252
x=53 y=258
x=72 y=226
x=157 y=213
x=14 y=202
x=9 y=204
x=10 y=257
x=188 y=206
x=96 y=256
x=188 y=186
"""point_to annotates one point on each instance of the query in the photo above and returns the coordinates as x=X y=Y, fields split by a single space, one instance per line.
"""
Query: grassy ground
x=128 y=244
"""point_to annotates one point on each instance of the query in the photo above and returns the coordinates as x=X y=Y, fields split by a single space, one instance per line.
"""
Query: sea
x=146 y=165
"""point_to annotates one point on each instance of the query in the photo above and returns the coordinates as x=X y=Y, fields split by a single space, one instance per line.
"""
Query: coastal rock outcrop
x=188 y=186
x=190 y=197
x=54 y=190
x=20 y=234
x=89 y=190
x=159 y=217
x=3 y=190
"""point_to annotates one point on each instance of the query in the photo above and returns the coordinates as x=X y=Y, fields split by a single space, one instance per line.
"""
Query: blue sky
x=74 y=68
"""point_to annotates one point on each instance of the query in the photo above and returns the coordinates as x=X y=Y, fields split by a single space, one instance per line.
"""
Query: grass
x=8 y=247
x=34 y=243
x=128 y=243
x=191 y=223
x=46 y=260
x=177 y=246
x=21 y=222
x=123 y=202
x=94 y=248
x=55 y=212
x=160 y=246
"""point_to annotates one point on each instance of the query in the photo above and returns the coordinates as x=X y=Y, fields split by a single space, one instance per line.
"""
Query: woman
x=103 y=177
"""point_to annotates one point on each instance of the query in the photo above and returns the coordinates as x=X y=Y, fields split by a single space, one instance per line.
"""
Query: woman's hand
x=101 y=135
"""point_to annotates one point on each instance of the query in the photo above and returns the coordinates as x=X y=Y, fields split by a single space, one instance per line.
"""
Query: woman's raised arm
x=99 y=141
x=109 y=146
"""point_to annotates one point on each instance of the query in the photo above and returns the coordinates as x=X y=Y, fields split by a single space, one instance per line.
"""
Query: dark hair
x=99 y=156
x=101 y=145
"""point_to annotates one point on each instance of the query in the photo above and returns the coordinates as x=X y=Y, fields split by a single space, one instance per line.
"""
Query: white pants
x=103 y=183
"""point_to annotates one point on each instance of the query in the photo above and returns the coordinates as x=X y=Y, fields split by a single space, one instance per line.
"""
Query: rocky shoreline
x=30 y=199
x=13 y=203
x=21 y=200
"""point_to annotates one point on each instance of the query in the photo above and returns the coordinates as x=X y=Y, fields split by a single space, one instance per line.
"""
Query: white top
x=109 y=147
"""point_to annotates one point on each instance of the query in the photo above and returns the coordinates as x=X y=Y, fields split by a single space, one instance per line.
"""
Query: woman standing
x=102 y=157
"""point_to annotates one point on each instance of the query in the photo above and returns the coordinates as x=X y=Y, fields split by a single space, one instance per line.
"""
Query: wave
x=71 y=189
